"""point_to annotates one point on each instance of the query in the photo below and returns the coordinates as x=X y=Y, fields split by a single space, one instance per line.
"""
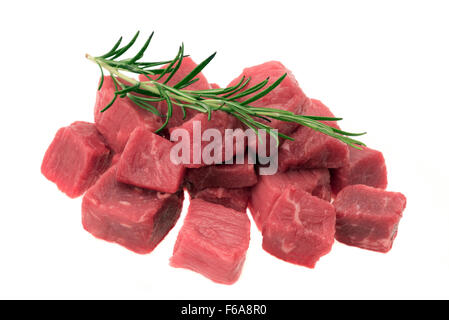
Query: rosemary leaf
x=144 y=93
x=195 y=71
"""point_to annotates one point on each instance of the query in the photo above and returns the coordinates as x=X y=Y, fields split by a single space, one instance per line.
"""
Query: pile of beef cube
x=133 y=193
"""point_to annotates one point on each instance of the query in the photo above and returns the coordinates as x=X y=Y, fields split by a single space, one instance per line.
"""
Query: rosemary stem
x=205 y=101
x=148 y=85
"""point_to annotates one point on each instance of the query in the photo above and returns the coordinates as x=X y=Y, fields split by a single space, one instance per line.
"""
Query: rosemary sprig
x=145 y=93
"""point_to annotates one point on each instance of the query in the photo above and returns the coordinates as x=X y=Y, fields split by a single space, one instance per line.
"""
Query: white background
x=382 y=65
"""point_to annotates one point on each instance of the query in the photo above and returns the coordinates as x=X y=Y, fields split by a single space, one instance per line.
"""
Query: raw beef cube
x=365 y=166
x=222 y=175
x=199 y=149
x=75 y=159
x=117 y=122
x=266 y=192
x=236 y=199
x=186 y=67
x=287 y=96
x=300 y=228
x=313 y=149
x=367 y=217
x=213 y=242
x=146 y=163
x=135 y=218
x=214 y=86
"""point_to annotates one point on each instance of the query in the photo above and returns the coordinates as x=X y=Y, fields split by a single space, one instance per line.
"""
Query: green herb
x=145 y=93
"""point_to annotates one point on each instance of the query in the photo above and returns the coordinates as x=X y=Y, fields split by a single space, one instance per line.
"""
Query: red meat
x=222 y=175
x=76 y=158
x=287 y=96
x=115 y=158
x=236 y=199
x=117 y=122
x=300 y=228
x=313 y=149
x=367 y=217
x=269 y=188
x=135 y=218
x=146 y=163
x=365 y=166
x=186 y=67
x=220 y=121
x=213 y=242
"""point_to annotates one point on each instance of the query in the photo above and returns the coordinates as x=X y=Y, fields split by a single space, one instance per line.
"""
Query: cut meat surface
x=236 y=199
x=287 y=96
x=365 y=166
x=76 y=158
x=300 y=228
x=135 y=218
x=117 y=122
x=313 y=149
x=198 y=149
x=186 y=67
x=367 y=217
x=213 y=242
x=269 y=188
x=222 y=175
x=115 y=158
x=146 y=163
